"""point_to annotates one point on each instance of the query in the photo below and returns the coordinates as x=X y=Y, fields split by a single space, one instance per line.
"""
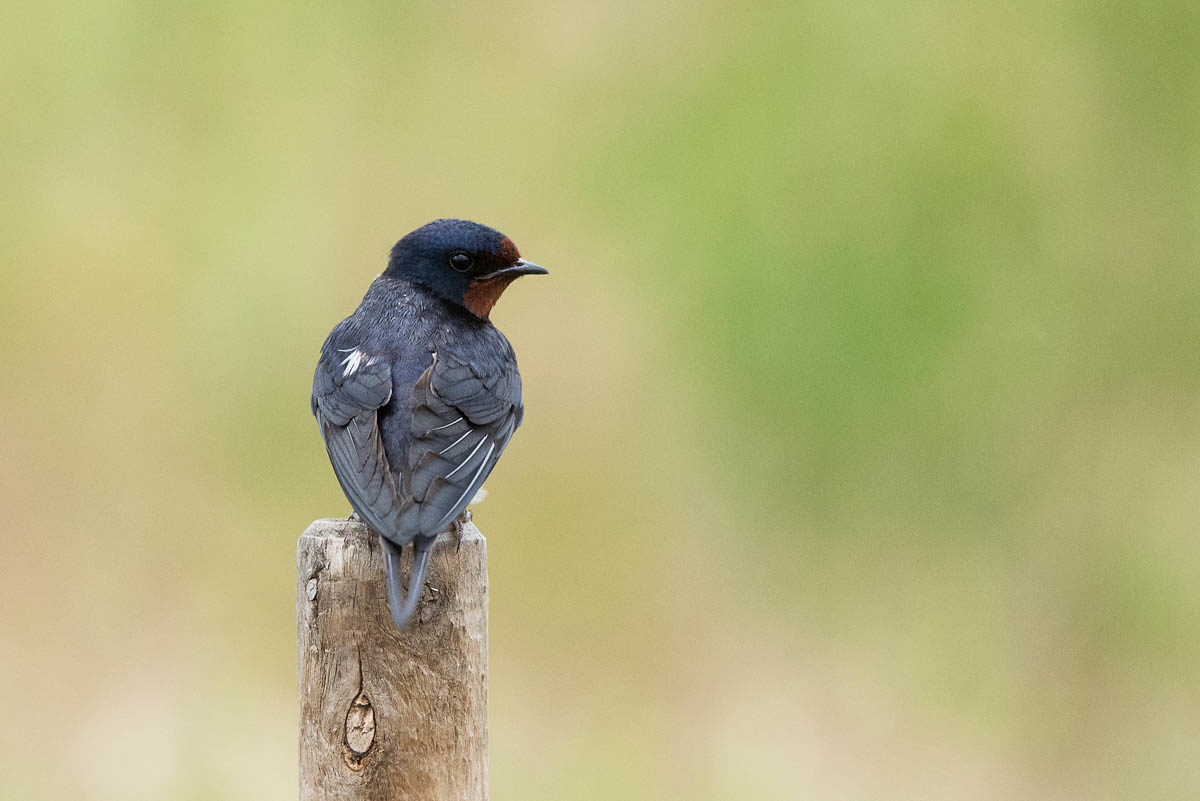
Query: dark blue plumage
x=417 y=394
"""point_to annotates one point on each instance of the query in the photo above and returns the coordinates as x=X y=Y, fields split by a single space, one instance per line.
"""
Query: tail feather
x=401 y=603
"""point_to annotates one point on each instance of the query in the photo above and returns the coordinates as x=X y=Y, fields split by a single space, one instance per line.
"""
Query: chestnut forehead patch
x=508 y=251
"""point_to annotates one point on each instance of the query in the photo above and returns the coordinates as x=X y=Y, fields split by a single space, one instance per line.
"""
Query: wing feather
x=463 y=417
x=346 y=404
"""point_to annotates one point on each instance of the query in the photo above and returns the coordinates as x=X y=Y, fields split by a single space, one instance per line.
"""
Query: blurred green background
x=862 y=446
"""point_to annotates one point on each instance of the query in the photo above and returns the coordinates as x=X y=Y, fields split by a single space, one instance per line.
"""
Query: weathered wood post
x=384 y=714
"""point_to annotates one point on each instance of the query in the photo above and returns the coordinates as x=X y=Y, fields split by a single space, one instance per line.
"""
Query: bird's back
x=401 y=326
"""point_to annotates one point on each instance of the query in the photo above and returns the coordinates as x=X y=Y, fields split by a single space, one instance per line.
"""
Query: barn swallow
x=417 y=394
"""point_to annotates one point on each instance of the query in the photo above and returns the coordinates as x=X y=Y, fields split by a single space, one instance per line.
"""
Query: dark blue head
x=462 y=261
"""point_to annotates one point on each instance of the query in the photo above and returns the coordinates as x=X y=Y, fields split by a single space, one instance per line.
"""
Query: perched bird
x=417 y=393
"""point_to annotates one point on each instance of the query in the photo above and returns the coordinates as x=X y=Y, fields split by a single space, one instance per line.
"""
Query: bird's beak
x=518 y=268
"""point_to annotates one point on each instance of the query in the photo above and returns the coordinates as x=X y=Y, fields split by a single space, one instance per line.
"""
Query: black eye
x=461 y=261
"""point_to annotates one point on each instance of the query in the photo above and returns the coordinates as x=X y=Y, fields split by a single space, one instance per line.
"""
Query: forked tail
x=404 y=604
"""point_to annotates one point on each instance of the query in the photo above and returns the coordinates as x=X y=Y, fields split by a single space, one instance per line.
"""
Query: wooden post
x=384 y=714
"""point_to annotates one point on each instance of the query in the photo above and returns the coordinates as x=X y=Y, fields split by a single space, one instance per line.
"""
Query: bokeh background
x=862 y=446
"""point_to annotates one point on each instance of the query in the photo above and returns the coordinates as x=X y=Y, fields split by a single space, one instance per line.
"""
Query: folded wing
x=347 y=395
x=463 y=417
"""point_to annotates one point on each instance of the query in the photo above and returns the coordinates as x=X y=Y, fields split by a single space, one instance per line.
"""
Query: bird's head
x=462 y=261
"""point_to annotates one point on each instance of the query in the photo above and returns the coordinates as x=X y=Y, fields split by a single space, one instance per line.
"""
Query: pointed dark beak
x=518 y=268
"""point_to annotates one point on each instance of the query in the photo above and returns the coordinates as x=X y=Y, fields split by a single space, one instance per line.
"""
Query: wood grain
x=384 y=714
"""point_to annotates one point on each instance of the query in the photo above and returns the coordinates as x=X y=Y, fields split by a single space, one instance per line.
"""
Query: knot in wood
x=360 y=731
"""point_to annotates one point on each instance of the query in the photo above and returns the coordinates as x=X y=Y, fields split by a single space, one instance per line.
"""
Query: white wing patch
x=356 y=360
